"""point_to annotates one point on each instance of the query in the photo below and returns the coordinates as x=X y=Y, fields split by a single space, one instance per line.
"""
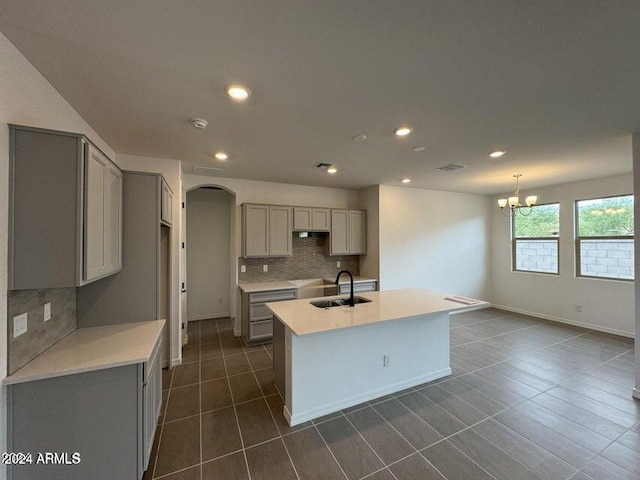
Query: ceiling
x=556 y=84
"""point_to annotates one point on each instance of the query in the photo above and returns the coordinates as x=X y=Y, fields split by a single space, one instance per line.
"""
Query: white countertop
x=305 y=319
x=266 y=286
x=89 y=349
x=344 y=280
x=310 y=283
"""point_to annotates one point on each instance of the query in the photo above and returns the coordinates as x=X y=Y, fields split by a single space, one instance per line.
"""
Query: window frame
x=514 y=240
x=578 y=238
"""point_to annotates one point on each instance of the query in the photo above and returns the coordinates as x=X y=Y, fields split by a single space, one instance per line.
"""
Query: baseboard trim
x=195 y=318
x=301 y=417
x=590 y=326
x=175 y=362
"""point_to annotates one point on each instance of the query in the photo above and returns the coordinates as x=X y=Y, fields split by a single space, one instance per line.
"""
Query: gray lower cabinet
x=108 y=417
x=65 y=204
x=257 y=320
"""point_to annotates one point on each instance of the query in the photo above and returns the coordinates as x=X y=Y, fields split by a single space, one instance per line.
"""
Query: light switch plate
x=243 y=269
x=337 y=264
x=19 y=325
x=47 y=311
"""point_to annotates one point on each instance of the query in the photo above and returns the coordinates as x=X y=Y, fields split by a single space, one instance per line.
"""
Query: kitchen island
x=328 y=359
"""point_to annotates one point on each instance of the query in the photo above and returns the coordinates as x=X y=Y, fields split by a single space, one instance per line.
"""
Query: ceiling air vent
x=324 y=165
x=206 y=171
x=450 y=167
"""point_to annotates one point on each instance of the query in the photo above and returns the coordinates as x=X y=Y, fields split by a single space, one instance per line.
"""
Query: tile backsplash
x=40 y=335
x=310 y=260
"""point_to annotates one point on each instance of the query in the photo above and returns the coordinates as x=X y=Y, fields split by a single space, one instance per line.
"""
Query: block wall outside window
x=537 y=255
x=607 y=258
x=535 y=239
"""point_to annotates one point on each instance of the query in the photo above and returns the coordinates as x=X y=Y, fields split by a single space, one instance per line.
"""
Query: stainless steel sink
x=338 y=302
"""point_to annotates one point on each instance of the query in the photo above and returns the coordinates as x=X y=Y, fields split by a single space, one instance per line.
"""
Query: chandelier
x=514 y=202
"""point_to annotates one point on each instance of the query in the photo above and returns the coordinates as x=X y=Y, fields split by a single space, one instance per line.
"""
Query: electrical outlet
x=265 y=268
x=579 y=308
x=220 y=301
x=338 y=264
x=243 y=269
x=19 y=325
x=47 y=311
x=386 y=359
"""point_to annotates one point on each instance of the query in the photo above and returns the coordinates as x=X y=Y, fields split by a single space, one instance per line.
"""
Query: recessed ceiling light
x=406 y=180
x=359 y=138
x=221 y=156
x=497 y=153
x=403 y=130
x=238 y=92
x=419 y=148
x=332 y=169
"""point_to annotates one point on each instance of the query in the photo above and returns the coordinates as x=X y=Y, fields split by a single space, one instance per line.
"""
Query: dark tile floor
x=528 y=399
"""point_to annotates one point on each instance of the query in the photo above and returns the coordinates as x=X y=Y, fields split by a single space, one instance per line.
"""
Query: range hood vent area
x=310 y=234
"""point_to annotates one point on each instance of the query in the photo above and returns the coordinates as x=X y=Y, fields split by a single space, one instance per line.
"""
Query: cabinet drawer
x=273 y=295
x=359 y=287
x=259 y=311
x=260 y=330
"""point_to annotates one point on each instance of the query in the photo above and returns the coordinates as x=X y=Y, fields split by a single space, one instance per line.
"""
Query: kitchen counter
x=305 y=319
x=344 y=279
x=310 y=283
x=91 y=349
x=266 y=286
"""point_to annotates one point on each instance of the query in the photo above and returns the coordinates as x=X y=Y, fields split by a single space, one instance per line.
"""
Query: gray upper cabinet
x=348 y=232
x=311 y=219
x=266 y=230
x=166 y=204
x=102 y=216
x=280 y=226
x=339 y=232
x=65 y=210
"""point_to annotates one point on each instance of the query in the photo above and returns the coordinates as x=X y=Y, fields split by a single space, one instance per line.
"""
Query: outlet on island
x=47 y=311
x=386 y=359
x=19 y=325
x=265 y=268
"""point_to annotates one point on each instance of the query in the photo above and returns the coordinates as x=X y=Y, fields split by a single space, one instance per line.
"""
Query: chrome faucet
x=352 y=301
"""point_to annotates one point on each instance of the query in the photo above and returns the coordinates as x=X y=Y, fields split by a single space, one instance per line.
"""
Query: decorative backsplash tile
x=40 y=334
x=310 y=260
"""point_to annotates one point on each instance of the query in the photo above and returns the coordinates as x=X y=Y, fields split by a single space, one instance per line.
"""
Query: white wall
x=249 y=191
x=208 y=253
x=171 y=171
x=434 y=240
x=26 y=98
x=607 y=305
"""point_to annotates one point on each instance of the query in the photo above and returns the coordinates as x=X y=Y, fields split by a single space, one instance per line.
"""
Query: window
x=535 y=239
x=604 y=237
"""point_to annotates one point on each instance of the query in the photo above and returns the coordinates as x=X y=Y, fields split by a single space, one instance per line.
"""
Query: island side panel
x=341 y=368
x=279 y=355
